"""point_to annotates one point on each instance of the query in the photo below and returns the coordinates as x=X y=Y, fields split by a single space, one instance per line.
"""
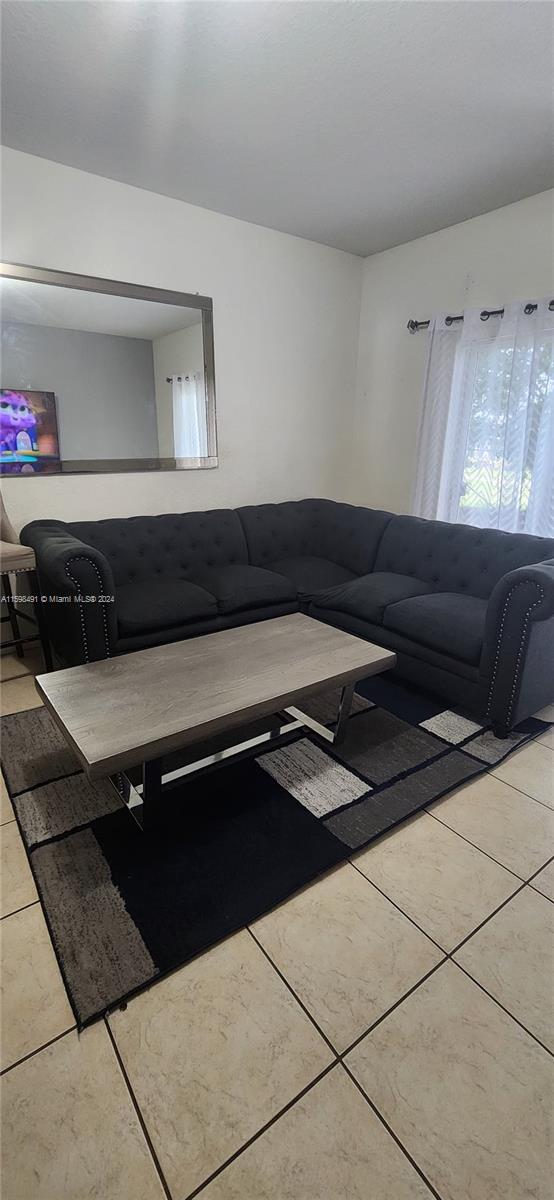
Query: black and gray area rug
x=125 y=908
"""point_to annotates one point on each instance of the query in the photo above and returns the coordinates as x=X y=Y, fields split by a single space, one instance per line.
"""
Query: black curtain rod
x=415 y=326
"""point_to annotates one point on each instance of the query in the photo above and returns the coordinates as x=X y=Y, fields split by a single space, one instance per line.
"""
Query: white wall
x=502 y=256
x=179 y=353
x=286 y=327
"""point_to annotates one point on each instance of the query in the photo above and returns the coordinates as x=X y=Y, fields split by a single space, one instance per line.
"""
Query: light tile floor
x=381 y=1036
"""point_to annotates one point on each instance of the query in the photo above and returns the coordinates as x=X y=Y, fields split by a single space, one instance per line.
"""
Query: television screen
x=29 y=443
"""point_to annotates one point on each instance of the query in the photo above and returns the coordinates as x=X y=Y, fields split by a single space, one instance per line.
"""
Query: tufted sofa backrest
x=177 y=545
x=342 y=533
x=456 y=558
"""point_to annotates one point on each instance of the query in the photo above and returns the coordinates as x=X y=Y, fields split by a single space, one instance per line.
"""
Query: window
x=486 y=450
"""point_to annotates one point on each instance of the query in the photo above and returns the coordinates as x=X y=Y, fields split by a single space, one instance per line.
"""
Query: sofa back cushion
x=342 y=533
x=175 y=545
x=456 y=558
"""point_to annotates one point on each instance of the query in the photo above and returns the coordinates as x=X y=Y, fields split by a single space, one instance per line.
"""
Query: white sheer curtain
x=190 y=424
x=486 y=445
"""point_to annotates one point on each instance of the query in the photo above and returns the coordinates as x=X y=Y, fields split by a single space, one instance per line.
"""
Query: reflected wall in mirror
x=103 y=376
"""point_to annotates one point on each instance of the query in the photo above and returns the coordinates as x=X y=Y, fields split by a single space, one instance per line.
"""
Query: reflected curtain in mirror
x=190 y=418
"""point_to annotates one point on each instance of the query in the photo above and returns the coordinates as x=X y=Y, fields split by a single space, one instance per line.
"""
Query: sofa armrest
x=78 y=590
x=520 y=617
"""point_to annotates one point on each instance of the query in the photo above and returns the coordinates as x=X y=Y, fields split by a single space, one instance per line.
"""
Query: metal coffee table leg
x=345 y=705
x=151 y=792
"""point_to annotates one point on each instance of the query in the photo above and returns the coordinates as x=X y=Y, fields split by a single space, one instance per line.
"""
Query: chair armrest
x=521 y=608
x=78 y=590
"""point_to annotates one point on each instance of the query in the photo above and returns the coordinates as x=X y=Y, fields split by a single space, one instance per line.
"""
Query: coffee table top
x=123 y=711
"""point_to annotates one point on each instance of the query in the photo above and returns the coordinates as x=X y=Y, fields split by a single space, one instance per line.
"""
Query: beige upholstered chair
x=13 y=558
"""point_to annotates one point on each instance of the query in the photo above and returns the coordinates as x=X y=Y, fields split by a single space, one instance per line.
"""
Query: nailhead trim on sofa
x=521 y=583
x=84 y=558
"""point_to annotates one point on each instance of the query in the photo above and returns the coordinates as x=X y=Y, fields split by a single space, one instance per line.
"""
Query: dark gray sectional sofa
x=469 y=612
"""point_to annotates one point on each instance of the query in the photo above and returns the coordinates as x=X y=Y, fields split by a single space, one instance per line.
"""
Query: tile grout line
x=260 y=1132
x=520 y=790
x=543 y=868
x=486 y=920
x=31 y=904
x=305 y=1010
x=397 y=907
x=474 y=844
x=476 y=847
x=502 y=1006
x=486 y=852
x=447 y=956
x=538 y=892
x=391 y=1132
x=38 y=1050
x=340 y=1055
x=530 y=882
x=137 y=1109
x=448 y=953
x=389 y=1011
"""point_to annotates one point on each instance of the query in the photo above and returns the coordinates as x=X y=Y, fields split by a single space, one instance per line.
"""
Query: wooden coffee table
x=132 y=710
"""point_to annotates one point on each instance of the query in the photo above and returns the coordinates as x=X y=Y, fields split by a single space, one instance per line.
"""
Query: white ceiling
x=43 y=304
x=361 y=125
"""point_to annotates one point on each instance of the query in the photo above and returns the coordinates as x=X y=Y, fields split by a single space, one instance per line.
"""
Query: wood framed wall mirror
x=101 y=376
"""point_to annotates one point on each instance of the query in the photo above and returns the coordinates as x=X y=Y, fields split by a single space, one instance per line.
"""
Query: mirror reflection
x=98 y=382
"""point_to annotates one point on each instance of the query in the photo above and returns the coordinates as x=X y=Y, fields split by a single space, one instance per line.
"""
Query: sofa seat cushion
x=311 y=575
x=445 y=621
x=240 y=587
x=152 y=604
x=368 y=596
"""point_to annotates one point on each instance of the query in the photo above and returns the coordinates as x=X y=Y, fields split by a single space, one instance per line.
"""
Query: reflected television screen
x=29 y=442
